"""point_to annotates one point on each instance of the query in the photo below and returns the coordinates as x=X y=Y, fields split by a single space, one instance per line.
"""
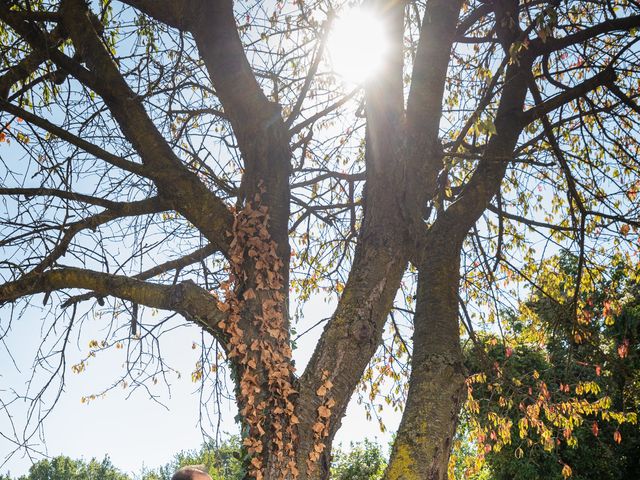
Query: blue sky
x=135 y=432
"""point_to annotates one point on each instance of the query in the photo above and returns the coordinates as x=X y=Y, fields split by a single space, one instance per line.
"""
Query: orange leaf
x=623 y=348
x=223 y=307
x=624 y=229
x=323 y=412
x=617 y=437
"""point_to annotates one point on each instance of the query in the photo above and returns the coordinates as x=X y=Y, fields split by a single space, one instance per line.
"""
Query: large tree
x=211 y=133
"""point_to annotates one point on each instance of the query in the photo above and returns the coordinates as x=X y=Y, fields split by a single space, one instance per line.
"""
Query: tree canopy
x=64 y=468
x=202 y=158
x=602 y=368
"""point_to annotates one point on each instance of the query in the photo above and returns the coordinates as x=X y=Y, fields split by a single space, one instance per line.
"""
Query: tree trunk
x=424 y=440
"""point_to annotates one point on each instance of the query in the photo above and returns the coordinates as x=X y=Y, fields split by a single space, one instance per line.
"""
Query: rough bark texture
x=425 y=436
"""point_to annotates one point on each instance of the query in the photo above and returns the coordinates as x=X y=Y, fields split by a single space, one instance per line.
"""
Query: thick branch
x=175 y=13
x=217 y=38
x=185 y=298
x=424 y=103
x=485 y=182
x=27 y=66
x=605 y=77
x=548 y=45
x=472 y=18
x=63 y=194
x=177 y=264
x=257 y=123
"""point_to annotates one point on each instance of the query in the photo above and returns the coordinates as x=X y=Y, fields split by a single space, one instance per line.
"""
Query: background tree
x=364 y=461
x=596 y=361
x=209 y=132
x=64 y=468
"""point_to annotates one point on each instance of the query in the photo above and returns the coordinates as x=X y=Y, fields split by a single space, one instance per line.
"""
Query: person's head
x=191 y=472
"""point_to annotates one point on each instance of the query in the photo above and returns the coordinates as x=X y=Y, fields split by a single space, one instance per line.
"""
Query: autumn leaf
x=323 y=412
x=624 y=229
x=623 y=348
x=617 y=437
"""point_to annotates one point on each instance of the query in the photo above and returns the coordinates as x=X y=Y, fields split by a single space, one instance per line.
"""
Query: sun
x=357 y=45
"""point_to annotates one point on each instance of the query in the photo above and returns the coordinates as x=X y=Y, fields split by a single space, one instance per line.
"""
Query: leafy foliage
x=363 y=461
x=527 y=417
x=64 y=468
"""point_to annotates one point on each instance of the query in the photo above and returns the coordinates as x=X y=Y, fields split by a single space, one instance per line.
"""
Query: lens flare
x=357 y=45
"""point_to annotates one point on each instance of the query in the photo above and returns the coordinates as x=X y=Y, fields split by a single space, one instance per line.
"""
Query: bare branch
x=185 y=297
x=59 y=132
